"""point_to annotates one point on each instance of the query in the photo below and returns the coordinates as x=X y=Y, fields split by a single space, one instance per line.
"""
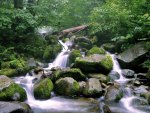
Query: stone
x=73 y=55
x=67 y=86
x=133 y=57
x=113 y=93
x=147 y=96
x=14 y=107
x=10 y=91
x=128 y=73
x=95 y=63
x=109 y=47
x=74 y=73
x=96 y=50
x=93 y=88
x=43 y=89
x=82 y=85
x=103 y=78
x=114 y=75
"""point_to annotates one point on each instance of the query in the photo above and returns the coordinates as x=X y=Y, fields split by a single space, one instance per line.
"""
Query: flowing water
x=126 y=104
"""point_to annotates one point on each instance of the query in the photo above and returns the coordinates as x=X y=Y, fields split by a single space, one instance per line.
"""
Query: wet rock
x=82 y=85
x=93 y=88
x=140 y=90
x=114 y=75
x=136 y=83
x=95 y=63
x=109 y=47
x=113 y=93
x=128 y=73
x=43 y=89
x=10 y=91
x=96 y=50
x=73 y=73
x=67 y=86
x=106 y=109
x=133 y=57
x=103 y=78
x=147 y=96
x=14 y=107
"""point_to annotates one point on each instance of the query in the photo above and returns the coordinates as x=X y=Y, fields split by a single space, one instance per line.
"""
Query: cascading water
x=127 y=101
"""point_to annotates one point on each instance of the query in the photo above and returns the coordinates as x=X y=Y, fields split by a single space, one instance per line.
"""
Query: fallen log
x=72 y=30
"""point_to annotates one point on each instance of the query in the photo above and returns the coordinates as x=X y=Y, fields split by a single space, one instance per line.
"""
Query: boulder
x=128 y=73
x=93 y=88
x=114 y=75
x=95 y=63
x=147 y=96
x=10 y=91
x=73 y=73
x=133 y=57
x=67 y=86
x=9 y=72
x=82 y=85
x=96 y=50
x=43 y=89
x=73 y=55
x=14 y=107
x=103 y=78
x=109 y=47
x=113 y=93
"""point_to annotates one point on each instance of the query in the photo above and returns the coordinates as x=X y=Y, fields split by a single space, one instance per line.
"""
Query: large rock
x=73 y=55
x=93 y=88
x=67 y=86
x=128 y=73
x=95 y=63
x=133 y=57
x=103 y=78
x=114 y=93
x=10 y=91
x=73 y=73
x=14 y=107
x=96 y=50
x=43 y=88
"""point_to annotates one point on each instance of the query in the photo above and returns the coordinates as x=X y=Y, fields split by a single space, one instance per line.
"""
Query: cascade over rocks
x=10 y=91
x=14 y=107
x=67 y=86
x=133 y=57
x=95 y=63
x=43 y=89
x=93 y=88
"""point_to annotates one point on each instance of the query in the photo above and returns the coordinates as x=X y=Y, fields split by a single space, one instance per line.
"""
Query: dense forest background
x=108 y=21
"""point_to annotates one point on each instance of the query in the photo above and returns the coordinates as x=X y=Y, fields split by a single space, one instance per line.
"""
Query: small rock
x=128 y=73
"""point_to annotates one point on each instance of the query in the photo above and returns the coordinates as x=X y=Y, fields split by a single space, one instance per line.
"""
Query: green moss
x=9 y=72
x=76 y=86
x=73 y=55
x=96 y=50
x=42 y=89
x=107 y=63
x=8 y=93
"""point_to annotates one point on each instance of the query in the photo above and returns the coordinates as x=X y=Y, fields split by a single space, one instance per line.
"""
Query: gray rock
x=14 y=107
x=92 y=88
x=114 y=75
x=133 y=56
x=128 y=73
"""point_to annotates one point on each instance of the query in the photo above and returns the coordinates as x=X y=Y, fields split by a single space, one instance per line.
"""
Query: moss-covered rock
x=43 y=88
x=109 y=47
x=96 y=50
x=10 y=91
x=95 y=63
x=73 y=55
x=93 y=88
x=9 y=72
x=67 y=86
x=73 y=73
x=103 y=78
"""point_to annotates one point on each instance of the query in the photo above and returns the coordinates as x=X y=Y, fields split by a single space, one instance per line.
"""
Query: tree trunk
x=18 y=4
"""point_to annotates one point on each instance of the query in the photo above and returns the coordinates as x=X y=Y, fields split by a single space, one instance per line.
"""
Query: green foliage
x=96 y=50
x=9 y=72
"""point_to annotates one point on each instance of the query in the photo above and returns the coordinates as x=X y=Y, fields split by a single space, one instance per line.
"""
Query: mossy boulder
x=109 y=47
x=73 y=55
x=103 y=78
x=67 y=86
x=9 y=72
x=10 y=91
x=74 y=73
x=43 y=89
x=93 y=88
x=96 y=50
x=14 y=107
x=95 y=63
